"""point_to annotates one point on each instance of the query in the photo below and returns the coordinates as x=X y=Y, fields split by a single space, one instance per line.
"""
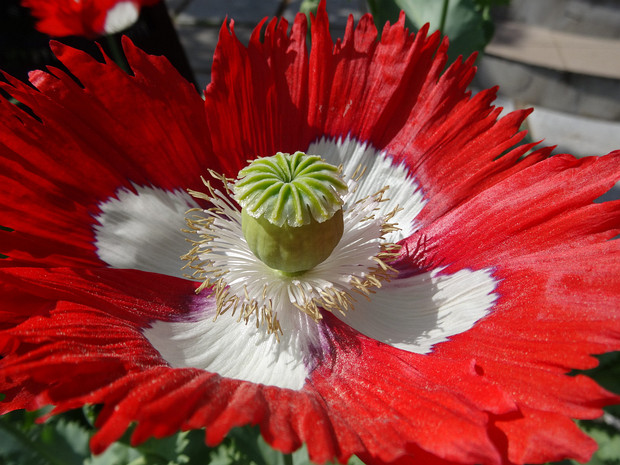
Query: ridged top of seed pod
x=290 y=189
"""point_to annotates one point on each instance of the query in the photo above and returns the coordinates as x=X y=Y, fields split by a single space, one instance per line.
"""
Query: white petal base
x=238 y=350
x=120 y=17
x=379 y=172
x=418 y=312
x=225 y=263
x=142 y=230
x=412 y=314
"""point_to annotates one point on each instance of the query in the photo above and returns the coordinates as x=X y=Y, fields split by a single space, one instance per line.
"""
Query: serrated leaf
x=69 y=440
x=196 y=450
x=55 y=442
x=117 y=454
x=15 y=451
x=167 y=451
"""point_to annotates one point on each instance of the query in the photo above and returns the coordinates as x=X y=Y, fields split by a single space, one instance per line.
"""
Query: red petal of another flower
x=59 y=18
x=67 y=17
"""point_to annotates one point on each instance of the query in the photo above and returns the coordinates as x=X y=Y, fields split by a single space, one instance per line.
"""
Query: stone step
x=557 y=50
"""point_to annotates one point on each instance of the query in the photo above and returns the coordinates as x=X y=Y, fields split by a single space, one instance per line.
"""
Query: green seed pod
x=292 y=210
x=292 y=249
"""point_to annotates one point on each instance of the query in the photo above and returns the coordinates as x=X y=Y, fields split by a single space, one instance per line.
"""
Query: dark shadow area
x=23 y=48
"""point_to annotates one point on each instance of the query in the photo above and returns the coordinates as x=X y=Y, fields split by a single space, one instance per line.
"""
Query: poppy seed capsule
x=291 y=210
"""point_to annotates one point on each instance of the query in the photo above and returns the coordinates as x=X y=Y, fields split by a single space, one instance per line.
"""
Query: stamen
x=239 y=282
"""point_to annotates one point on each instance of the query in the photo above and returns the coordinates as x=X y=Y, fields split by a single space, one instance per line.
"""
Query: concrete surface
x=558 y=50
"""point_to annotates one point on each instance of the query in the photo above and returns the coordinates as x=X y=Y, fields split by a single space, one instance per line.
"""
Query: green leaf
x=165 y=451
x=309 y=6
x=245 y=446
x=464 y=22
x=117 y=454
x=609 y=445
x=68 y=440
x=386 y=10
x=55 y=442
x=467 y=23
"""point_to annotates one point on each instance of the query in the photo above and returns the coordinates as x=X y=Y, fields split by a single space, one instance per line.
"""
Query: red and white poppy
x=506 y=280
x=85 y=18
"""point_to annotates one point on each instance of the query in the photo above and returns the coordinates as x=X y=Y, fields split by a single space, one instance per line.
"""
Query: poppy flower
x=471 y=277
x=85 y=18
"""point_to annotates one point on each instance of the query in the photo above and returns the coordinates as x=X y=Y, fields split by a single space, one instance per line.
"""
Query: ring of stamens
x=220 y=258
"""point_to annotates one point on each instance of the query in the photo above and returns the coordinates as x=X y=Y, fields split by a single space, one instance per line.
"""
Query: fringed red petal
x=94 y=145
x=497 y=393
